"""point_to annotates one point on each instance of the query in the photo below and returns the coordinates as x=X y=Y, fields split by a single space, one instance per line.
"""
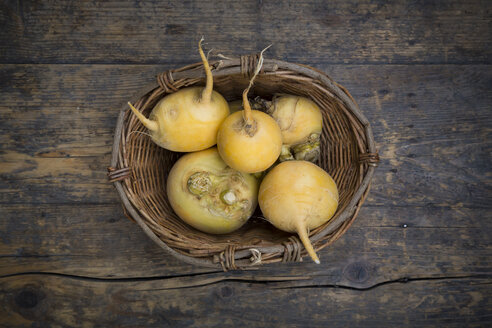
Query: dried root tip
x=260 y=104
x=228 y=197
x=199 y=183
x=251 y=128
x=149 y=124
x=309 y=150
x=207 y=91
x=302 y=232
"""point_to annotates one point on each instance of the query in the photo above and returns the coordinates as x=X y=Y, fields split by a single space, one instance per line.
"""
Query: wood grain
x=59 y=121
x=384 y=244
x=311 y=32
x=419 y=252
x=61 y=301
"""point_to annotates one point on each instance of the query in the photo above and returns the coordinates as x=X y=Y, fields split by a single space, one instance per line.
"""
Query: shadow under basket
x=139 y=168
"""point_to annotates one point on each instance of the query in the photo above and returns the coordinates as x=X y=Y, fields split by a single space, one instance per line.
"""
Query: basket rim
x=269 y=65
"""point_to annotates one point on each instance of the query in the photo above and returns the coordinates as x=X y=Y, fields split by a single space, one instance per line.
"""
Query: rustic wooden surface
x=419 y=253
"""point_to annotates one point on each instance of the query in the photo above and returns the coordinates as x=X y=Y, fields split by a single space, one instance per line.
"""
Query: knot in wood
x=248 y=64
x=357 y=272
x=166 y=82
x=371 y=159
x=292 y=250
x=115 y=174
x=28 y=298
x=226 y=292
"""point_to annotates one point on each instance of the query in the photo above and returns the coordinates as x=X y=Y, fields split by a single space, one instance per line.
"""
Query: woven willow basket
x=139 y=168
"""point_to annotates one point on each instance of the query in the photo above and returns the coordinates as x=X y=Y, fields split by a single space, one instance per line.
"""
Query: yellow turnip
x=249 y=140
x=300 y=121
x=210 y=196
x=298 y=196
x=188 y=119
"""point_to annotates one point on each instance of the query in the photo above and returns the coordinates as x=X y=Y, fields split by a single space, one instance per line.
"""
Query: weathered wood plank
x=308 y=31
x=97 y=241
x=433 y=136
x=31 y=179
x=432 y=127
x=67 y=166
x=68 y=257
x=60 y=301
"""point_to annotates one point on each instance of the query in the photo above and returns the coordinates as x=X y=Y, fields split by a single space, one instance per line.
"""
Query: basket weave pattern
x=140 y=168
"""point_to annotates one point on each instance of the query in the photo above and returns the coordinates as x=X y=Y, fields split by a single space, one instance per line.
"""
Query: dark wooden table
x=419 y=253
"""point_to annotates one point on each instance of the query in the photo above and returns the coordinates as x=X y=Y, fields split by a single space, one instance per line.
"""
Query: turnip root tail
x=207 y=91
x=149 y=124
x=247 y=116
x=302 y=232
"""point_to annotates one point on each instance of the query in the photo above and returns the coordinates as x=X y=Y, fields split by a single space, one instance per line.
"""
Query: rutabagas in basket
x=140 y=169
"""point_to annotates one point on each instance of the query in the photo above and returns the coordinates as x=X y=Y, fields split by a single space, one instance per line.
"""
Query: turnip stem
x=149 y=124
x=247 y=116
x=302 y=232
x=209 y=85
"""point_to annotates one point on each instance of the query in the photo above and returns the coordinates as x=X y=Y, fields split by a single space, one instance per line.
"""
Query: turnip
x=249 y=140
x=298 y=196
x=210 y=196
x=188 y=119
x=300 y=121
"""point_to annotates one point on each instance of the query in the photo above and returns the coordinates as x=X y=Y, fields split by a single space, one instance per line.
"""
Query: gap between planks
x=177 y=64
x=216 y=277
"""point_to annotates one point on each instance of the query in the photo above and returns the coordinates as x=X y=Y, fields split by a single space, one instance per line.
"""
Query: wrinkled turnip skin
x=298 y=118
x=300 y=121
x=249 y=152
x=298 y=196
x=185 y=123
x=210 y=207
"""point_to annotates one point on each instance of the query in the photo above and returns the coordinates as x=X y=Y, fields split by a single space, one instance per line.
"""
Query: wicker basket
x=139 y=168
